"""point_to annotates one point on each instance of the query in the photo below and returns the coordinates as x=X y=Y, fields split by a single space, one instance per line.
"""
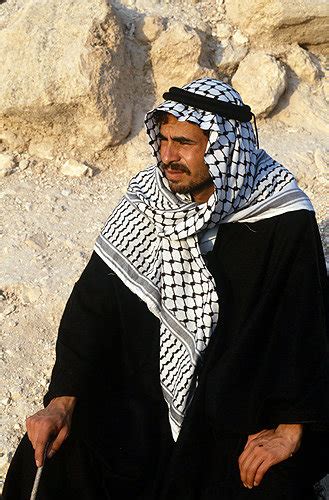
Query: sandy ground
x=50 y=223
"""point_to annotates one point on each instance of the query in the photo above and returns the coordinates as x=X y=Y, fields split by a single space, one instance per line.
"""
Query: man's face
x=182 y=149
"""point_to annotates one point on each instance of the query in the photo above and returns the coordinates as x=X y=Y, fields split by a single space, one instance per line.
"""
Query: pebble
x=73 y=168
x=15 y=396
x=30 y=294
x=8 y=310
x=5 y=401
x=27 y=206
x=37 y=241
x=4 y=461
x=23 y=164
x=6 y=164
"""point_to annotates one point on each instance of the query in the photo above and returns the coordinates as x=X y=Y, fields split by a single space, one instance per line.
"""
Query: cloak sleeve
x=269 y=359
x=87 y=330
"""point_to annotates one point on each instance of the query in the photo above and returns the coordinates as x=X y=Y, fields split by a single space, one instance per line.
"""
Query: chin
x=177 y=188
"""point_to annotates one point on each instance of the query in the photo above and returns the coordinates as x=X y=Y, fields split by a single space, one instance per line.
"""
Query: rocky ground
x=67 y=151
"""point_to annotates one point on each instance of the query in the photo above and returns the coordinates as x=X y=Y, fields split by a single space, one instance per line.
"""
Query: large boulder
x=261 y=80
x=175 y=57
x=301 y=63
x=64 y=76
x=282 y=21
x=230 y=52
x=303 y=108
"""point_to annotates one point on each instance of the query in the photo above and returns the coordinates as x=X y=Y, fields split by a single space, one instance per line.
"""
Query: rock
x=228 y=55
x=38 y=241
x=281 y=21
x=9 y=310
x=8 y=140
x=239 y=38
x=23 y=164
x=4 y=463
x=300 y=62
x=5 y=401
x=321 y=158
x=16 y=396
x=303 y=108
x=148 y=28
x=29 y=294
x=65 y=76
x=175 y=58
x=261 y=80
x=73 y=168
x=223 y=30
x=6 y=164
x=43 y=149
x=66 y=192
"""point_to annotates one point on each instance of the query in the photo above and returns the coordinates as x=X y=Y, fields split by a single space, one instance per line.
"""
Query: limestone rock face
x=321 y=158
x=175 y=58
x=261 y=80
x=71 y=81
x=303 y=108
x=282 y=21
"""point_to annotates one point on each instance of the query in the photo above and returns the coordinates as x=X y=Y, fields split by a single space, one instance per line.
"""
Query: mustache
x=176 y=166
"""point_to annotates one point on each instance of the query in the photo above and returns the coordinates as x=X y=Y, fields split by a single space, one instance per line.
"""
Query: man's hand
x=267 y=448
x=52 y=424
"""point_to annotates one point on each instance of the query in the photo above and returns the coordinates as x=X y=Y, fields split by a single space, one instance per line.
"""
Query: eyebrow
x=179 y=139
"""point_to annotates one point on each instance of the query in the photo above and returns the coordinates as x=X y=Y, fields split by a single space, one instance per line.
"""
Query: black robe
x=266 y=364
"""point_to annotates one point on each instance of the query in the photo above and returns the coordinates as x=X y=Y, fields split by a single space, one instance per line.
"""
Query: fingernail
x=255 y=484
x=50 y=454
x=38 y=463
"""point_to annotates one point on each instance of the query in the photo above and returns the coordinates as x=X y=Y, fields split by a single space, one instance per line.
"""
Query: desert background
x=77 y=77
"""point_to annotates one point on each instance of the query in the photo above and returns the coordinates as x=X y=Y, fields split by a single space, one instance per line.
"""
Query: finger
x=250 y=471
x=39 y=451
x=57 y=443
x=30 y=429
x=246 y=466
x=253 y=437
x=261 y=471
x=46 y=432
x=248 y=453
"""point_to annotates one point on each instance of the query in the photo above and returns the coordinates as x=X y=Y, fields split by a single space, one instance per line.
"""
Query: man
x=192 y=357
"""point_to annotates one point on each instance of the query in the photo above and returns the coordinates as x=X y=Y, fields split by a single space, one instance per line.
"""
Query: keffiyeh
x=151 y=238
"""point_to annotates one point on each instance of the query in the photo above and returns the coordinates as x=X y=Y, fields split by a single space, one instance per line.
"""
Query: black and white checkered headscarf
x=151 y=238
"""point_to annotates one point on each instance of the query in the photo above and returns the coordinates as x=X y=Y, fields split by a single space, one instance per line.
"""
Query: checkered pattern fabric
x=151 y=238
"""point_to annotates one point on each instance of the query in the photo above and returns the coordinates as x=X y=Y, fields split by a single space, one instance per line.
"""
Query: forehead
x=173 y=127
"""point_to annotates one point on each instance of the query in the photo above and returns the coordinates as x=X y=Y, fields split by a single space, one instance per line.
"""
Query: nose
x=169 y=152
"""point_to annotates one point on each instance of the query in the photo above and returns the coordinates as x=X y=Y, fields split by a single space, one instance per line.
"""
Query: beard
x=191 y=186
